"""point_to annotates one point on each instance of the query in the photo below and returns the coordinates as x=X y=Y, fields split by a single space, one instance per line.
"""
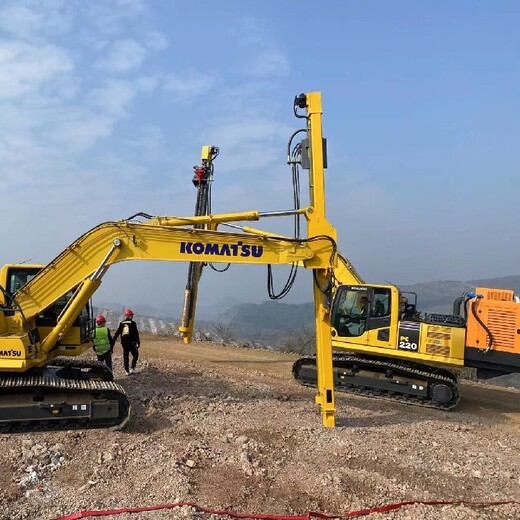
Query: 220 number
x=407 y=345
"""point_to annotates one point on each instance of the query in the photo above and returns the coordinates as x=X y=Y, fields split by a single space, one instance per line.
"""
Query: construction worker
x=129 y=341
x=103 y=342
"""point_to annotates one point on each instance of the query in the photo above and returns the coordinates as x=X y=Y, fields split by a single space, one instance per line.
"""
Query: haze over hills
x=439 y=296
x=271 y=322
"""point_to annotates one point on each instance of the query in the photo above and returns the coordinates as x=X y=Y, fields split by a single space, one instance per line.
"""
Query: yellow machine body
x=390 y=336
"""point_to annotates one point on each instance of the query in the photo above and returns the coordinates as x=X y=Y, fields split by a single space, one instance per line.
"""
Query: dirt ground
x=228 y=428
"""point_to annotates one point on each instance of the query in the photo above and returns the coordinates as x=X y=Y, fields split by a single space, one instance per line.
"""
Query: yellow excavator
x=46 y=318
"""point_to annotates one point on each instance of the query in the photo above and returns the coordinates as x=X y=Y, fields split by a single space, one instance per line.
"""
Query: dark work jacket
x=129 y=334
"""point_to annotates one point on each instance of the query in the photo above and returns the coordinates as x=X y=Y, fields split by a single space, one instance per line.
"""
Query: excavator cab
x=15 y=276
x=364 y=313
x=350 y=311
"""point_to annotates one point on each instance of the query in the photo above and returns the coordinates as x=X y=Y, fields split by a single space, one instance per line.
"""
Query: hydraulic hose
x=457 y=305
x=491 y=339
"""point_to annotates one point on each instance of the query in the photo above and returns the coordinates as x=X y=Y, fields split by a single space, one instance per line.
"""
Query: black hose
x=484 y=326
x=295 y=154
x=456 y=305
x=294 y=268
x=294 y=134
x=140 y=214
x=288 y=285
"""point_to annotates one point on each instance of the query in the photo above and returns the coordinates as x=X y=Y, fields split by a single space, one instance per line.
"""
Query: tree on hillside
x=226 y=333
x=301 y=341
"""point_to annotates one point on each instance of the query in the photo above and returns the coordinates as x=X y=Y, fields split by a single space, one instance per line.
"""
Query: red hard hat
x=100 y=319
x=129 y=312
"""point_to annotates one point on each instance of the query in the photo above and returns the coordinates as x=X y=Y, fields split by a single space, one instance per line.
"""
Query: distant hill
x=277 y=316
x=274 y=315
x=168 y=311
x=439 y=296
x=171 y=312
x=505 y=282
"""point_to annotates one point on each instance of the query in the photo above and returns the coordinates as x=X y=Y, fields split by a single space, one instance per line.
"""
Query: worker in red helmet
x=103 y=342
x=129 y=341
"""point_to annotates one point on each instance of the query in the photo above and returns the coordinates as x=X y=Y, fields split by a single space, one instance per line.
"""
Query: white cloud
x=146 y=83
x=19 y=20
x=38 y=139
x=110 y=17
x=259 y=130
x=188 y=86
x=26 y=69
x=31 y=19
x=77 y=129
x=245 y=125
x=53 y=108
x=114 y=97
x=149 y=140
x=155 y=41
x=122 y=56
x=247 y=30
x=262 y=57
x=268 y=63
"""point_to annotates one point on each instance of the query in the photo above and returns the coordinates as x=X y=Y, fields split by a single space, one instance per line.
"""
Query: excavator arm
x=83 y=264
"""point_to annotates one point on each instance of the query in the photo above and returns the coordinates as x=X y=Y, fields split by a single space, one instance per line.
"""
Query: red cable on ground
x=399 y=505
x=307 y=516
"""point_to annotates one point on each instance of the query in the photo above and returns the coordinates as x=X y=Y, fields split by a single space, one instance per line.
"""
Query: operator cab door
x=361 y=314
x=81 y=330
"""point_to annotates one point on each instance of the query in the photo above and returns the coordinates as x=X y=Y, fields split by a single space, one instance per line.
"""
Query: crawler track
x=74 y=368
x=67 y=394
x=412 y=384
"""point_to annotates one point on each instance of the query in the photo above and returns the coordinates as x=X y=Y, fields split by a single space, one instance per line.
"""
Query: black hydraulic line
x=288 y=285
x=457 y=305
x=223 y=270
x=491 y=339
x=294 y=159
x=289 y=160
x=294 y=269
x=296 y=187
x=140 y=214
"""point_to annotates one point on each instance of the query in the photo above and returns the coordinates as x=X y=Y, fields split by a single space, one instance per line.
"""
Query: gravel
x=236 y=433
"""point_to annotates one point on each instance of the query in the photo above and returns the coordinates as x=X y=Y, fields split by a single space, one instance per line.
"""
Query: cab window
x=18 y=278
x=381 y=303
x=350 y=311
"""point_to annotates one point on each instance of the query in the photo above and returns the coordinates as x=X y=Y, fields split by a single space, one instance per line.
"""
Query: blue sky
x=105 y=104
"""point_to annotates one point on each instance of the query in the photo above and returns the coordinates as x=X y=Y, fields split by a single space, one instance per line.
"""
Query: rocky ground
x=227 y=428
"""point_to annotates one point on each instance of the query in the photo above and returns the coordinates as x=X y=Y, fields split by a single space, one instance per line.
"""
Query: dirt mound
x=227 y=428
